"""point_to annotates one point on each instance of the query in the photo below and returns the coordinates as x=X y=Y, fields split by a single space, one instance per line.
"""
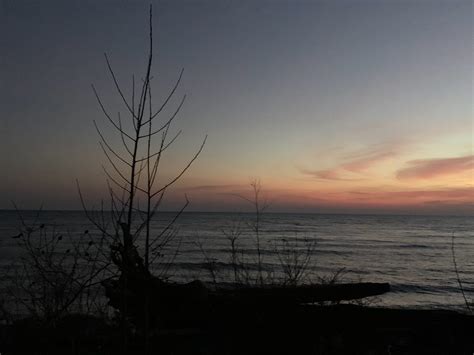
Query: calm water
x=412 y=253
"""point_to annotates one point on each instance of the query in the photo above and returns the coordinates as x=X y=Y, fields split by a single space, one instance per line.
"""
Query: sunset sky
x=338 y=106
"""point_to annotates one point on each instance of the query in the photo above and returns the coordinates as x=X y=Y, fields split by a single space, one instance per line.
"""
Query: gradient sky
x=337 y=106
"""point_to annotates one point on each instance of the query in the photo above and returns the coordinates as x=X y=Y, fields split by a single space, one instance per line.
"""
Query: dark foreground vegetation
x=80 y=300
x=155 y=316
x=338 y=329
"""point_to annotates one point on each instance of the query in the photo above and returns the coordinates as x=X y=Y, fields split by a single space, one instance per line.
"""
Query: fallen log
x=305 y=293
x=149 y=301
x=167 y=304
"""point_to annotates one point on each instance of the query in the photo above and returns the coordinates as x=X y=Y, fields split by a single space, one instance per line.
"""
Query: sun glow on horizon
x=364 y=107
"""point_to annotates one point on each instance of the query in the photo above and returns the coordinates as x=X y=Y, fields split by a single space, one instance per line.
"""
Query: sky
x=341 y=106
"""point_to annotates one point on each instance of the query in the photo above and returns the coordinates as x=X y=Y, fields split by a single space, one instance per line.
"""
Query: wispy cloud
x=211 y=187
x=356 y=163
x=364 y=163
x=463 y=193
x=329 y=174
x=430 y=168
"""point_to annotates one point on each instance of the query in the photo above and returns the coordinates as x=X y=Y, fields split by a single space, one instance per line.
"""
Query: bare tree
x=132 y=171
x=132 y=176
x=295 y=257
x=259 y=206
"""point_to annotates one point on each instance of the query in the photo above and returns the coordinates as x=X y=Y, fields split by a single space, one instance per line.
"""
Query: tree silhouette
x=132 y=174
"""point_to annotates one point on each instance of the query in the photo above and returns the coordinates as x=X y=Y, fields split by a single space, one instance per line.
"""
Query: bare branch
x=108 y=116
x=461 y=286
x=184 y=169
x=168 y=98
x=172 y=221
x=108 y=146
x=122 y=136
x=117 y=170
x=162 y=149
x=114 y=181
x=133 y=102
x=117 y=86
x=92 y=220
x=167 y=122
x=146 y=82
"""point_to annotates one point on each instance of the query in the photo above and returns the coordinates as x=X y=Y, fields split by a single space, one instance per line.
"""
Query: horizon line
x=275 y=212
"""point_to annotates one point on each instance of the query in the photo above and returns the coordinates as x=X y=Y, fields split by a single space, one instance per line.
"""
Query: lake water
x=412 y=253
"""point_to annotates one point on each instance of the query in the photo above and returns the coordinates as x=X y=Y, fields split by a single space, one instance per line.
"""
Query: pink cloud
x=429 y=168
x=461 y=193
x=210 y=187
x=329 y=174
x=365 y=163
x=356 y=162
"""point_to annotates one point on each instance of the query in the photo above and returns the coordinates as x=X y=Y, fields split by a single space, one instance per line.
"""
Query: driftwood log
x=152 y=302
x=305 y=293
x=167 y=304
